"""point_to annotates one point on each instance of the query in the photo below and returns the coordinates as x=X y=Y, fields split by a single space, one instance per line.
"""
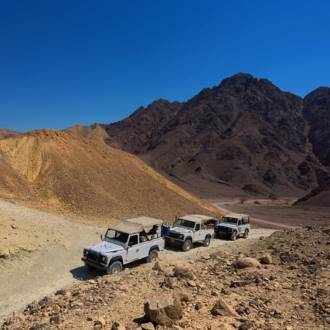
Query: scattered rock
x=163 y=311
x=198 y=305
x=54 y=319
x=99 y=323
x=181 y=272
x=223 y=309
x=157 y=267
x=4 y=254
x=147 y=326
x=246 y=263
x=266 y=259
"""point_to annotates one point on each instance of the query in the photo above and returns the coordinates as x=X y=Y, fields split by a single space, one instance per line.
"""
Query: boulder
x=99 y=323
x=266 y=259
x=117 y=326
x=223 y=309
x=246 y=262
x=182 y=272
x=4 y=254
x=147 y=326
x=163 y=310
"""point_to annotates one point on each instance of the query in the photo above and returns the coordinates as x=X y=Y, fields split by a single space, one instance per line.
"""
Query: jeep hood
x=227 y=225
x=105 y=247
x=181 y=230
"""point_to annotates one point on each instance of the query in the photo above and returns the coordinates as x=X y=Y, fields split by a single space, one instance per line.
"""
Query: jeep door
x=133 y=249
x=240 y=226
x=144 y=246
x=198 y=232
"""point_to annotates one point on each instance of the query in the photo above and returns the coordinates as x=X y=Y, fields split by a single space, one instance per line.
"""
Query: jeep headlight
x=104 y=259
x=85 y=252
x=181 y=236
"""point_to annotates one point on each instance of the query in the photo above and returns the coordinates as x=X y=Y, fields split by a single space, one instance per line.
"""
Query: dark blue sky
x=67 y=62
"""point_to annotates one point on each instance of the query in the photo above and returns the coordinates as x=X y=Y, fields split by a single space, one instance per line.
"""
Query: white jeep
x=233 y=225
x=191 y=229
x=128 y=241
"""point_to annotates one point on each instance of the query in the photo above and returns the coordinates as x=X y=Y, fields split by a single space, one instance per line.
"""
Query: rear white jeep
x=191 y=229
x=128 y=241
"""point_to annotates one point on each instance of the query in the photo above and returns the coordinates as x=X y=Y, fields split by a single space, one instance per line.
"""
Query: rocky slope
x=280 y=282
x=317 y=114
x=60 y=171
x=244 y=135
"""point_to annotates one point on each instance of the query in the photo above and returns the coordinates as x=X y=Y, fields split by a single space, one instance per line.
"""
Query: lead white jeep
x=191 y=229
x=128 y=241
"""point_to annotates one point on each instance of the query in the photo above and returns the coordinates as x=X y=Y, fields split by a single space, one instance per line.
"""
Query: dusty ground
x=275 y=213
x=40 y=253
x=290 y=290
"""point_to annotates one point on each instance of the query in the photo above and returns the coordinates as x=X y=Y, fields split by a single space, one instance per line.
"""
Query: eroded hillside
x=84 y=176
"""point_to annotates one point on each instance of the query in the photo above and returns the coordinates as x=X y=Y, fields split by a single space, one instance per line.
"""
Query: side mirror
x=101 y=237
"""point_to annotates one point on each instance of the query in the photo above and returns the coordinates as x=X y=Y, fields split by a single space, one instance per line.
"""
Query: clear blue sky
x=67 y=62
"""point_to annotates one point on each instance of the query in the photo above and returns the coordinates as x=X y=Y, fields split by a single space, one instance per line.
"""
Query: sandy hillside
x=278 y=282
x=60 y=171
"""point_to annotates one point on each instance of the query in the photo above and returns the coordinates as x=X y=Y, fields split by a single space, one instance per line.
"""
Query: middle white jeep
x=191 y=229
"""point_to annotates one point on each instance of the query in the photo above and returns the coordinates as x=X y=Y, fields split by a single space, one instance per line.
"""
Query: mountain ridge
x=227 y=123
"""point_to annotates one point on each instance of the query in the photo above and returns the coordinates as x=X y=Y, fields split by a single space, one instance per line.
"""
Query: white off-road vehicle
x=128 y=241
x=191 y=229
x=233 y=225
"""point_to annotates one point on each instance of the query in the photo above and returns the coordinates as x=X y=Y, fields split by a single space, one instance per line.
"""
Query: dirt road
x=231 y=206
x=47 y=251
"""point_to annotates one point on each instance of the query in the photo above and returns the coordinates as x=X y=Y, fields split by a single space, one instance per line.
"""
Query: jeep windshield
x=116 y=236
x=184 y=223
x=230 y=220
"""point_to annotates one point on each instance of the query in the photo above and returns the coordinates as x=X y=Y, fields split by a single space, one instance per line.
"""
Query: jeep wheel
x=153 y=255
x=233 y=235
x=186 y=246
x=207 y=241
x=246 y=233
x=115 y=267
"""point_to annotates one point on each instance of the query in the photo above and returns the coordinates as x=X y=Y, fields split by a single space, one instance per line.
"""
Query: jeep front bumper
x=94 y=264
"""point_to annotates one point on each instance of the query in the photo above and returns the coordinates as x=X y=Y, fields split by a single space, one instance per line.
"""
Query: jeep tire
x=186 y=246
x=115 y=267
x=207 y=241
x=233 y=235
x=246 y=233
x=153 y=255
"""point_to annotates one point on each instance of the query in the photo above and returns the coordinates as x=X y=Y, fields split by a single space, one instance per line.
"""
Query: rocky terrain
x=244 y=136
x=58 y=171
x=317 y=114
x=278 y=282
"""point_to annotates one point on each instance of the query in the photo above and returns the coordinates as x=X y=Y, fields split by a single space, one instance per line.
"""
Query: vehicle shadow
x=83 y=273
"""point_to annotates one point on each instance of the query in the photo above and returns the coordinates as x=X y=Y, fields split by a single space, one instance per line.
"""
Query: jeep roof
x=236 y=216
x=136 y=225
x=197 y=218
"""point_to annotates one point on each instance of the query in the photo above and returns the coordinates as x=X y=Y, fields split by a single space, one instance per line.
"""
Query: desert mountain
x=6 y=132
x=317 y=114
x=86 y=176
x=242 y=135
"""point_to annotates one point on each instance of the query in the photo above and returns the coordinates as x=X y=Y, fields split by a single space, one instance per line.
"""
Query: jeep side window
x=198 y=227
x=133 y=240
x=239 y=222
